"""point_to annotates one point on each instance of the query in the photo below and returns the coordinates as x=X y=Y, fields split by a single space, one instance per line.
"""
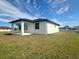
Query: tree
x=67 y=27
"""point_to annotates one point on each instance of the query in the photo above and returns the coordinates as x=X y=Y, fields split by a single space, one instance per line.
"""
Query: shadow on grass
x=8 y=34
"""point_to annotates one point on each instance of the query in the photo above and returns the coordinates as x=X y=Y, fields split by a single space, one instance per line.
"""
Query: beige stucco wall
x=41 y=30
x=45 y=28
x=52 y=28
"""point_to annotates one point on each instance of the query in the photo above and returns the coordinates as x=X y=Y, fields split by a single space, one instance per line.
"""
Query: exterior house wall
x=52 y=28
x=41 y=30
x=44 y=28
x=31 y=28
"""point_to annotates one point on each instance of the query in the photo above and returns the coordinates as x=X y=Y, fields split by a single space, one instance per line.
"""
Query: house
x=37 y=26
x=3 y=29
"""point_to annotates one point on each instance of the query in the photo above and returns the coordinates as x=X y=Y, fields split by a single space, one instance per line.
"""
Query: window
x=55 y=25
x=25 y=27
x=19 y=27
x=36 y=25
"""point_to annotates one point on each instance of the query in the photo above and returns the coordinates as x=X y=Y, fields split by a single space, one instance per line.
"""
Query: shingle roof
x=41 y=20
x=33 y=21
x=28 y=20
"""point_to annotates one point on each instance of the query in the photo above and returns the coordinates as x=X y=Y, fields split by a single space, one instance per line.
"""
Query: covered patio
x=20 y=27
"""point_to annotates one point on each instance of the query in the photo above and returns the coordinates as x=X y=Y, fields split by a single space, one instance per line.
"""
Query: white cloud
x=10 y=15
x=18 y=1
x=49 y=1
x=4 y=20
x=56 y=20
x=70 y=23
x=7 y=7
x=34 y=2
x=62 y=10
x=56 y=4
x=28 y=1
x=56 y=1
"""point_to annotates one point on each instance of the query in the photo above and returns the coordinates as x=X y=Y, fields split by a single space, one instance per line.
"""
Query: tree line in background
x=67 y=27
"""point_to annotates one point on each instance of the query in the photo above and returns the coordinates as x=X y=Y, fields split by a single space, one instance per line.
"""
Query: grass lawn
x=62 y=45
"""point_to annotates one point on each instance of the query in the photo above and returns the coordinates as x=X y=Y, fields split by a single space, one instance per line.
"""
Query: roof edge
x=35 y=20
x=21 y=20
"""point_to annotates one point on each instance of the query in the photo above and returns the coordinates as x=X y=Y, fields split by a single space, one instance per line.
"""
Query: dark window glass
x=36 y=25
x=19 y=27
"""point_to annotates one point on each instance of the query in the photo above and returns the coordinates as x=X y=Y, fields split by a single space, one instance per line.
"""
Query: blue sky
x=64 y=12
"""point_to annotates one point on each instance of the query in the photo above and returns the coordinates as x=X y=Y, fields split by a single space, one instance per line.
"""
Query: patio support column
x=12 y=27
x=22 y=28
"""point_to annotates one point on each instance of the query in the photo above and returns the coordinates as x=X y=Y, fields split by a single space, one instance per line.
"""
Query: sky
x=64 y=12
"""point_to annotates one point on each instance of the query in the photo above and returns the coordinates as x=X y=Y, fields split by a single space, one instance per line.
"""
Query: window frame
x=37 y=26
x=25 y=27
x=55 y=26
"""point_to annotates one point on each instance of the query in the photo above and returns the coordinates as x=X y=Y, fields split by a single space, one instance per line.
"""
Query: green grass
x=62 y=45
